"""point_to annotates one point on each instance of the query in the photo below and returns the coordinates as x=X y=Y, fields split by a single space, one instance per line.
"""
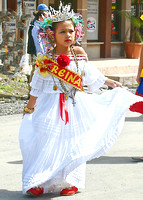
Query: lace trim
x=79 y=56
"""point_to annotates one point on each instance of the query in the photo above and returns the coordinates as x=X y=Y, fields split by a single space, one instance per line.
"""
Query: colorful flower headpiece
x=64 y=13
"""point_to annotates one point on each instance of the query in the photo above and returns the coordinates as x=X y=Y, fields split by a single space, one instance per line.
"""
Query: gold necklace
x=75 y=58
x=55 y=87
x=65 y=91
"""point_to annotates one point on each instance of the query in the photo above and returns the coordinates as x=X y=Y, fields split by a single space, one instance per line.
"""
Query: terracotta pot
x=132 y=49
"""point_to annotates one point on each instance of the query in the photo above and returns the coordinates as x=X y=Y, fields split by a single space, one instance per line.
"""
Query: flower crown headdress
x=64 y=13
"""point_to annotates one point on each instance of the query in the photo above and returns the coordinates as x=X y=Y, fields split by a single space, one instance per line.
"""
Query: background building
x=105 y=30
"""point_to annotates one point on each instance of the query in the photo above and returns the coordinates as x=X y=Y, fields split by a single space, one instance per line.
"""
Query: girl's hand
x=30 y=105
x=28 y=110
x=24 y=113
x=117 y=84
x=112 y=83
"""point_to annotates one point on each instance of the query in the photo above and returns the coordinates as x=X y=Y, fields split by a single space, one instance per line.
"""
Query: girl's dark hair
x=38 y=14
x=53 y=27
x=54 y=24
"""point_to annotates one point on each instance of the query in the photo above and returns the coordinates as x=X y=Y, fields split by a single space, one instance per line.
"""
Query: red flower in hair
x=63 y=60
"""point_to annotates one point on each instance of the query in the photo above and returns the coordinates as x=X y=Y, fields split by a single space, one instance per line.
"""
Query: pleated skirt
x=54 y=154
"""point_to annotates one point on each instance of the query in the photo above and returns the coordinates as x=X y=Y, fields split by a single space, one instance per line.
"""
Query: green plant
x=5 y=87
x=136 y=22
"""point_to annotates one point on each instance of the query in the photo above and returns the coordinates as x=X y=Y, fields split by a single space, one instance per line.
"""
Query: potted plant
x=133 y=46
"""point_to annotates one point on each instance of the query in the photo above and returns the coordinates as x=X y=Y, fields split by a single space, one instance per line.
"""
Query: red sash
x=48 y=66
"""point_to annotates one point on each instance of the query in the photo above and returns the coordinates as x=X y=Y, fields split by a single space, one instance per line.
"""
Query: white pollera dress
x=54 y=154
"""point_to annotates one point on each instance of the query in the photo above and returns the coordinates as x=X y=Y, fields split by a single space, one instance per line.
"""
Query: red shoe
x=69 y=191
x=35 y=191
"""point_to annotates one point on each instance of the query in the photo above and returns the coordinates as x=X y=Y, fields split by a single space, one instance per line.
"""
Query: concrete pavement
x=115 y=176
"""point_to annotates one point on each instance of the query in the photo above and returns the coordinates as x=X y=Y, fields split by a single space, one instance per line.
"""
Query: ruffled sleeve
x=93 y=78
x=37 y=84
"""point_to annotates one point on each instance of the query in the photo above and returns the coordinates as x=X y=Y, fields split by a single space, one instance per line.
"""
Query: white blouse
x=93 y=78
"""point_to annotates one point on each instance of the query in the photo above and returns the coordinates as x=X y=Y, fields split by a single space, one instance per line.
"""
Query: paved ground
x=112 y=177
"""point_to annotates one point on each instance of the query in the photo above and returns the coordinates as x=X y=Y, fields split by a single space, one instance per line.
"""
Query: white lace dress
x=54 y=154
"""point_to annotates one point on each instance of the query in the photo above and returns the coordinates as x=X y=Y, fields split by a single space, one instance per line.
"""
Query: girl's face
x=64 y=34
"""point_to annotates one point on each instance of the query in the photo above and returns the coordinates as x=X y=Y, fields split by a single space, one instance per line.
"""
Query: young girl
x=67 y=127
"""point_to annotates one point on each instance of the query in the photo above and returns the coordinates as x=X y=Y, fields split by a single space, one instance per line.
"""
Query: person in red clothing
x=138 y=107
x=140 y=68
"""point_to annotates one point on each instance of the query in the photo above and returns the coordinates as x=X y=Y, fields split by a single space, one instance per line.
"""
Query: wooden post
x=11 y=5
x=105 y=10
x=82 y=9
x=43 y=1
x=125 y=23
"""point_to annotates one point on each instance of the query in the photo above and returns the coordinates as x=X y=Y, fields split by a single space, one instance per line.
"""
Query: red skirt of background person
x=138 y=107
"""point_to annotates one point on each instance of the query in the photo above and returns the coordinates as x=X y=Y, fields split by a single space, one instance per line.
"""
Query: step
x=117 y=66
x=126 y=79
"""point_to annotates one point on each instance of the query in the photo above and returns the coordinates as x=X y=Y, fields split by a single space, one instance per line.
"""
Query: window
x=115 y=21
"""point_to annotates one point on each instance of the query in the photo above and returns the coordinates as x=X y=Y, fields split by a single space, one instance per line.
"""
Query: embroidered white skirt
x=54 y=154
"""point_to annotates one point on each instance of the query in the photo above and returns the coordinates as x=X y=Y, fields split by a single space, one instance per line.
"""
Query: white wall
x=93 y=50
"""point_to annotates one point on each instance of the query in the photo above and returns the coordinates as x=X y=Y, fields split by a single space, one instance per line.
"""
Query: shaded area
x=112 y=160
x=16 y=162
x=101 y=160
x=17 y=195
x=134 y=119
